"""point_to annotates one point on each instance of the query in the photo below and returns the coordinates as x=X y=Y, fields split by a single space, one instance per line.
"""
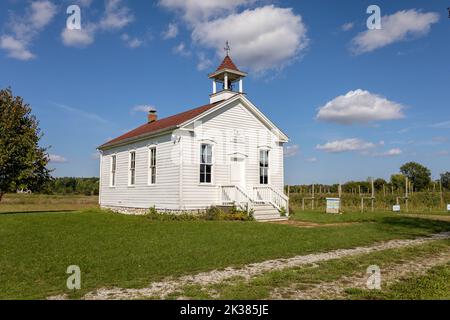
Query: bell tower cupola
x=228 y=76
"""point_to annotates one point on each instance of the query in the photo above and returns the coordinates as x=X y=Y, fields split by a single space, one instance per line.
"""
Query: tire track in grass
x=337 y=289
x=165 y=287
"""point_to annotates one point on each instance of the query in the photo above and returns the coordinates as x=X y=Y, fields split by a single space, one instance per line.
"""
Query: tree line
x=419 y=180
x=72 y=185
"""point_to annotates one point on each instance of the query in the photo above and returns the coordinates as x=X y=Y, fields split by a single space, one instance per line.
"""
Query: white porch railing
x=235 y=195
x=267 y=194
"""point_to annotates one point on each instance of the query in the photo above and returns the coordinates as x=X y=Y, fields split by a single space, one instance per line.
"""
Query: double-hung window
x=206 y=163
x=113 y=170
x=152 y=166
x=264 y=166
x=132 y=168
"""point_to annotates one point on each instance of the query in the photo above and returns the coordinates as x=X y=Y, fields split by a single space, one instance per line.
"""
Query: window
x=152 y=166
x=264 y=166
x=132 y=168
x=205 y=163
x=113 y=170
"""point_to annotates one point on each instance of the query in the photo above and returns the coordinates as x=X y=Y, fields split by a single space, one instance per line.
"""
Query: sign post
x=333 y=205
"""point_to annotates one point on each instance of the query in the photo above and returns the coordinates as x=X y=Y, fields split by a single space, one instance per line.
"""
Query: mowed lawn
x=131 y=251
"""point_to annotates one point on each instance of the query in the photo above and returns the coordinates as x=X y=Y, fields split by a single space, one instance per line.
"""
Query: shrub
x=211 y=214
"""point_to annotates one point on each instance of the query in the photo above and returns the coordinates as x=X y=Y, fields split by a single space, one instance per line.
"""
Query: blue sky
x=355 y=102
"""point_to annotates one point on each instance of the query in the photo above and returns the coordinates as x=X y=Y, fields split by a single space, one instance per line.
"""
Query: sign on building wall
x=333 y=205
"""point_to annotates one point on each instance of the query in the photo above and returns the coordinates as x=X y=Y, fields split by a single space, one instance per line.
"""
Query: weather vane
x=227 y=48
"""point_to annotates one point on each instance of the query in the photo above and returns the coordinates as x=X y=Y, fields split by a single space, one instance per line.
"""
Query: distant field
x=419 y=202
x=14 y=202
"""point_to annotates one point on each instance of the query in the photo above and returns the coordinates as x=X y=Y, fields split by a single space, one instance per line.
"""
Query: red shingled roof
x=227 y=63
x=160 y=125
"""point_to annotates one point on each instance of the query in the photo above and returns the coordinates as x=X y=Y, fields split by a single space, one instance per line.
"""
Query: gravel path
x=336 y=289
x=163 y=288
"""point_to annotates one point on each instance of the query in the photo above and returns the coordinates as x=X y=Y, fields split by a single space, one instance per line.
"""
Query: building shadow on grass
x=38 y=211
x=415 y=224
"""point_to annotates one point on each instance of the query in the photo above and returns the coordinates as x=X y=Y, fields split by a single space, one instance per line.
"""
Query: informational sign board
x=396 y=208
x=333 y=205
x=448 y=207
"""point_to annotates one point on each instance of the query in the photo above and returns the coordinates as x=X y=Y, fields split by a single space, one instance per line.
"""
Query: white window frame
x=268 y=166
x=152 y=169
x=132 y=171
x=113 y=171
x=206 y=164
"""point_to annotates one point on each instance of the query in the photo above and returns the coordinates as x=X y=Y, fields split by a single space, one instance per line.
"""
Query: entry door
x=237 y=172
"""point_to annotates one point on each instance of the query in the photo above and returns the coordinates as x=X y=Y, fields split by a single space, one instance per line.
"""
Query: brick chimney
x=152 y=116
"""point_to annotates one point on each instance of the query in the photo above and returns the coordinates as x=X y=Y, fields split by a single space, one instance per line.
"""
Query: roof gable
x=251 y=108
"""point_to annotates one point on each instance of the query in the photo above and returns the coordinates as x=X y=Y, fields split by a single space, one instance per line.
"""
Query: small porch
x=266 y=203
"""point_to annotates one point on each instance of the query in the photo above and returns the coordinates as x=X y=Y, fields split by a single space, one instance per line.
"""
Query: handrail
x=233 y=194
x=236 y=200
x=275 y=198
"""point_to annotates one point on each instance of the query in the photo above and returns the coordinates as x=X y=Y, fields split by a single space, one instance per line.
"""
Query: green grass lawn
x=131 y=251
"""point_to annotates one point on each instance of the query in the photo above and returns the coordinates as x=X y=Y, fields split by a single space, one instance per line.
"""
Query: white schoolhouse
x=221 y=154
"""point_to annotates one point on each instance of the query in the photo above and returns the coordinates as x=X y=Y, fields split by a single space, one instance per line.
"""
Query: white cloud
x=390 y=153
x=96 y=155
x=181 y=50
x=77 y=38
x=443 y=153
x=360 y=106
x=440 y=139
x=291 y=151
x=441 y=125
x=54 y=158
x=345 y=145
x=262 y=39
x=171 y=32
x=142 y=108
x=396 y=27
x=117 y=16
x=204 y=62
x=81 y=113
x=23 y=30
x=347 y=26
x=131 y=42
x=201 y=10
x=16 y=49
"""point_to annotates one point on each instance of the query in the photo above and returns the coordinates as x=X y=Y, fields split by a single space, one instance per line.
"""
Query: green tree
x=419 y=175
x=445 y=180
x=379 y=183
x=22 y=161
x=398 y=181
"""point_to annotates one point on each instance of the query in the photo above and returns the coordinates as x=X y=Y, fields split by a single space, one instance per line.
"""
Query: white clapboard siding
x=222 y=128
x=163 y=195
